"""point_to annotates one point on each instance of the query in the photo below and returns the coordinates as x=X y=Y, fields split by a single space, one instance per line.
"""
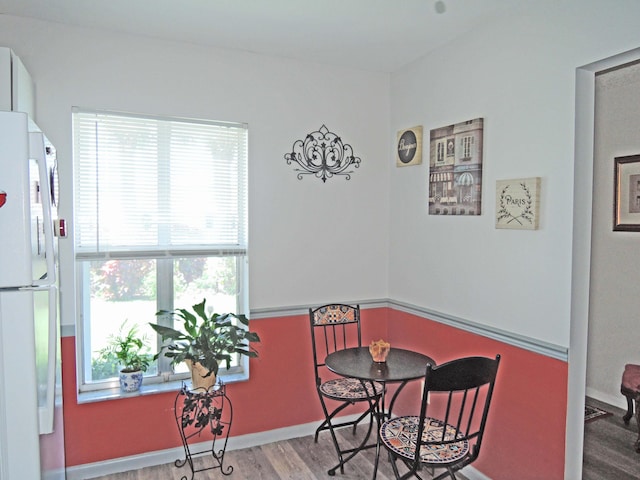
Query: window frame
x=165 y=262
x=467 y=147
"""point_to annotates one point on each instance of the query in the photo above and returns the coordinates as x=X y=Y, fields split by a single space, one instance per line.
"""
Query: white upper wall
x=518 y=74
x=310 y=242
x=371 y=236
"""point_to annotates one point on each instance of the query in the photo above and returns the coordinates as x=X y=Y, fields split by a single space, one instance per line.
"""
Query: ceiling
x=376 y=35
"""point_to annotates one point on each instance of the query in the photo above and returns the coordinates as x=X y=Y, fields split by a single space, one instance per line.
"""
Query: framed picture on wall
x=626 y=201
x=409 y=147
x=455 y=168
x=518 y=203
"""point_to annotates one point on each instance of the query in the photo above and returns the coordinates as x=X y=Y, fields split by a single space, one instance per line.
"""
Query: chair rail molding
x=535 y=345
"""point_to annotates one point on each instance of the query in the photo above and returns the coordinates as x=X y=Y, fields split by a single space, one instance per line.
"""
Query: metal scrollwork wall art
x=323 y=154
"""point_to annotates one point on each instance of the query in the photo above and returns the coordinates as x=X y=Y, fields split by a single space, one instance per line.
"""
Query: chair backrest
x=335 y=326
x=460 y=391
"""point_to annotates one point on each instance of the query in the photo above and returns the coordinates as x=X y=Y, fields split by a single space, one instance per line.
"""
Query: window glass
x=467 y=144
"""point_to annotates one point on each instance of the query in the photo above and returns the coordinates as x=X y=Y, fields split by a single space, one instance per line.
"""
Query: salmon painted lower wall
x=525 y=434
x=524 y=438
x=280 y=393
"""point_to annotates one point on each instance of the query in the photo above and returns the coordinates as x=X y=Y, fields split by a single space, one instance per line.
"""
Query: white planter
x=131 y=381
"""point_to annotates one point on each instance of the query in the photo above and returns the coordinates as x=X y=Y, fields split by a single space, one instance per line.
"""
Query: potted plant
x=207 y=339
x=130 y=351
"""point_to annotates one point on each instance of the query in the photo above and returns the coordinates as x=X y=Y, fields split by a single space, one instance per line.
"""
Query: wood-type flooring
x=609 y=447
x=295 y=459
x=608 y=454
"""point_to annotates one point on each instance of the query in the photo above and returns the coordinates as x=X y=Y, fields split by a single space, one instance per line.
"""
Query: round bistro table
x=400 y=367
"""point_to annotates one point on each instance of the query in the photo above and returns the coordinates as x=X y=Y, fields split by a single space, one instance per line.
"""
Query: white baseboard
x=473 y=474
x=57 y=474
x=616 y=400
x=161 y=457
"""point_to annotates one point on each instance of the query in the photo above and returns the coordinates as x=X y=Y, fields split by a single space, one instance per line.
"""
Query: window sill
x=150 y=389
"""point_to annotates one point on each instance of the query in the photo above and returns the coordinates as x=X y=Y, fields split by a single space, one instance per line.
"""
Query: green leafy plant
x=129 y=349
x=208 y=338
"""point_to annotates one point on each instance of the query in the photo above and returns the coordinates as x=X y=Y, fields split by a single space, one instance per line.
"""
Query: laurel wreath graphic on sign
x=521 y=206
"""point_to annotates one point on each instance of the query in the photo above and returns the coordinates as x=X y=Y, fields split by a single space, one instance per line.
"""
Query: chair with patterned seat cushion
x=453 y=414
x=336 y=327
x=630 y=388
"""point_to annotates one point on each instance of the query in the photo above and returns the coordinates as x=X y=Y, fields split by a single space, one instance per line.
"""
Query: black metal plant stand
x=197 y=410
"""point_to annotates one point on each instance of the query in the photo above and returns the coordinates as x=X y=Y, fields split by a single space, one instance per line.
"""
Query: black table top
x=401 y=365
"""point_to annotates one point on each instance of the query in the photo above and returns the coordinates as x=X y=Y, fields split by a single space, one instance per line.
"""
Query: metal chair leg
x=629 y=414
x=352 y=452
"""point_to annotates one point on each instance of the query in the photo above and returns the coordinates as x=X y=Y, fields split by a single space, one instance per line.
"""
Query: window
x=160 y=223
x=451 y=147
x=467 y=145
x=440 y=152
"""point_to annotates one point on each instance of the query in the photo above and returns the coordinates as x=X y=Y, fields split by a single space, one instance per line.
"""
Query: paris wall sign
x=518 y=203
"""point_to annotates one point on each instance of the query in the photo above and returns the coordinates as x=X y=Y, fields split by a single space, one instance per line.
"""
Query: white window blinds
x=158 y=186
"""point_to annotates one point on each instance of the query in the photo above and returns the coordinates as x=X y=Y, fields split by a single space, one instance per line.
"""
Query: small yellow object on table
x=379 y=351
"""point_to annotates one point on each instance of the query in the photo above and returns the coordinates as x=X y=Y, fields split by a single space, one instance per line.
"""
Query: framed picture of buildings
x=455 y=169
x=409 y=147
x=518 y=203
x=626 y=201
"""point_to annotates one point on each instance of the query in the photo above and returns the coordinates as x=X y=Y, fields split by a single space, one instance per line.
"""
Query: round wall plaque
x=409 y=147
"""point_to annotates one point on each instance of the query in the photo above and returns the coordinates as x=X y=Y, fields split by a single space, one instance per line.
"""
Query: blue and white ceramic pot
x=130 y=381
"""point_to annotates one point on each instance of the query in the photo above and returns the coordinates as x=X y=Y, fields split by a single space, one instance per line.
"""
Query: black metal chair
x=336 y=327
x=460 y=391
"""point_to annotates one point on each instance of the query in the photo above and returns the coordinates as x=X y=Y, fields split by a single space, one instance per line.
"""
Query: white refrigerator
x=31 y=426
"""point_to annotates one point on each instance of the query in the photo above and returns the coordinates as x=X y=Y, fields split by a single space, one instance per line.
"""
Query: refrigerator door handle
x=46 y=411
x=37 y=151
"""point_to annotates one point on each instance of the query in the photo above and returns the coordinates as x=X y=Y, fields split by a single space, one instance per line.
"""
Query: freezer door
x=15 y=214
x=27 y=243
